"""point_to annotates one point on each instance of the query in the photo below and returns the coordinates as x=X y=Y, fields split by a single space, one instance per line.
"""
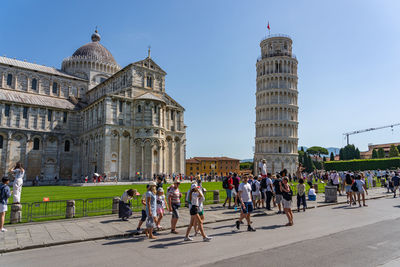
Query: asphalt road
x=329 y=236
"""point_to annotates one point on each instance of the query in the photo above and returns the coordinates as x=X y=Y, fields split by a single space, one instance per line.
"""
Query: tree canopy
x=393 y=152
x=317 y=150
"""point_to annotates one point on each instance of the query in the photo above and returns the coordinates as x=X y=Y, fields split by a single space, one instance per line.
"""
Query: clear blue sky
x=348 y=53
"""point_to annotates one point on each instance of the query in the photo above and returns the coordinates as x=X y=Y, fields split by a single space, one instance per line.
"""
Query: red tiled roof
x=198 y=159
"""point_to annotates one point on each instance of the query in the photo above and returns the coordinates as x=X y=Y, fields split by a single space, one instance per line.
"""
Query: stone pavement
x=52 y=233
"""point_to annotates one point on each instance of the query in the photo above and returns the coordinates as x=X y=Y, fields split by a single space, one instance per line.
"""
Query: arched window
x=34 y=84
x=36 y=144
x=9 y=79
x=280 y=150
x=139 y=109
x=1 y=142
x=67 y=146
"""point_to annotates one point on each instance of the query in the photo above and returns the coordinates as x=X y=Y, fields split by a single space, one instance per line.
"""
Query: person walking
x=361 y=190
x=278 y=193
x=195 y=196
x=269 y=192
x=349 y=192
x=124 y=211
x=236 y=182
x=396 y=183
x=287 y=200
x=301 y=195
x=144 y=214
x=5 y=194
x=174 y=203
x=161 y=206
x=151 y=210
x=245 y=201
x=227 y=184
x=18 y=173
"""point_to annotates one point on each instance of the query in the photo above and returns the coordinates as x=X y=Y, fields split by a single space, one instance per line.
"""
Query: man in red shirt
x=228 y=185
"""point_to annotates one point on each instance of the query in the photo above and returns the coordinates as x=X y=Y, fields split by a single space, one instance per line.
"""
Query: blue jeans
x=301 y=200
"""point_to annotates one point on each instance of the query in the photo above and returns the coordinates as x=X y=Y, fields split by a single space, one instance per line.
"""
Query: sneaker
x=3 y=229
x=279 y=212
x=250 y=229
x=207 y=239
x=188 y=239
x=238 y=225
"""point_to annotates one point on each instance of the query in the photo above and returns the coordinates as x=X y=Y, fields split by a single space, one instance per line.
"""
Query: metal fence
x=98 y=206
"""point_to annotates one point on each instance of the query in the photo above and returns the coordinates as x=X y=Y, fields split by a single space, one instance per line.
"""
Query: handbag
x=354 y=187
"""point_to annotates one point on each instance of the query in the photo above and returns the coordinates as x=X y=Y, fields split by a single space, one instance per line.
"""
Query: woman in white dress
x=18 y=173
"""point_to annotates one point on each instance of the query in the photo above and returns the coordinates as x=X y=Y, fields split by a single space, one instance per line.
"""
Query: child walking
x=301 y=195
x=161 y=206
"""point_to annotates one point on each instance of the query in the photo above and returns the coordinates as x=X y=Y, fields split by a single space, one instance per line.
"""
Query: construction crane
x=369 y=129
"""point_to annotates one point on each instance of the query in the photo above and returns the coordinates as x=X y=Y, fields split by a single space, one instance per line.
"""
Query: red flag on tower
x=268 y=26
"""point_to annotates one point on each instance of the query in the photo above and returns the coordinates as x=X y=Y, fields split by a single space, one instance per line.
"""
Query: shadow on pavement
x=111 y=221
x=270 y=227
x=125 y=240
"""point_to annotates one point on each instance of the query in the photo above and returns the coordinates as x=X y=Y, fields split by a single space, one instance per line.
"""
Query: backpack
x=287 y=195
x=263 y=183
x=225 y=184
x=253 y=187
x=354 y=187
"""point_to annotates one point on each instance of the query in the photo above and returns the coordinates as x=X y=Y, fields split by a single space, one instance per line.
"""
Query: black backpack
x=354 y=187
x=225 y=184
x=263 y=183
x=253 y=187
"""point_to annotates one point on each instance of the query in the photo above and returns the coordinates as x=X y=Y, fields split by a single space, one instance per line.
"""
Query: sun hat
x=152 y=183
x=160 y=189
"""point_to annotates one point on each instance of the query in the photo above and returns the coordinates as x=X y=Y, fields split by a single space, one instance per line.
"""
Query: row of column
x=284 y=114
x=276 y=130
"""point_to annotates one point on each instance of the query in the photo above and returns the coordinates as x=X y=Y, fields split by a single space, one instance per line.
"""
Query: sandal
x=174 y=232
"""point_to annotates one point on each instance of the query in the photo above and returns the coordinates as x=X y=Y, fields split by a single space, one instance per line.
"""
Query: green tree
x=332 y=156
x=317 y=150
x=341 y=154
x=357 y=154
x=381 y=153
x=374 y=154
x=301 y=157
x=398 y=148
x=393 y=152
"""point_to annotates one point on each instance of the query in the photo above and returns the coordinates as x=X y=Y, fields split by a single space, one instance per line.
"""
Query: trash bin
x=330 y=194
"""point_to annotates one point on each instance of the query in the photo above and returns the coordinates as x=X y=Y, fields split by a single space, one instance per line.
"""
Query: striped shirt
x=175 y=195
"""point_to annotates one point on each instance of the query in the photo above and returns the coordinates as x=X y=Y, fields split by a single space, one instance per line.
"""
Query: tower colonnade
x=276 y=105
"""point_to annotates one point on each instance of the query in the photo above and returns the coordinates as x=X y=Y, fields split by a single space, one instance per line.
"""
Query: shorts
x=194 y=210
x=278 y=198
x=287 y=204
x=144 y=216
x=3 y=207
x=160 y=211
x=256 y=197
x=248 y=207
x=175 y=212
x=228 y=193
x=201 y=212
x=348 y=189
x=150 y=223
x=262 y=195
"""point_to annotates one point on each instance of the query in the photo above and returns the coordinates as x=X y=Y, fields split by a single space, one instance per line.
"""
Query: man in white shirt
x=262 y=168
x=246 y=203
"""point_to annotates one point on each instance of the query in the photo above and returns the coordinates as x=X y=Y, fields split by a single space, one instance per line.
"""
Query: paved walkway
x=51 y=233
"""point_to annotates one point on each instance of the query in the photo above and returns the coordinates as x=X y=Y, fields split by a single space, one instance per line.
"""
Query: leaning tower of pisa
x=276 y=106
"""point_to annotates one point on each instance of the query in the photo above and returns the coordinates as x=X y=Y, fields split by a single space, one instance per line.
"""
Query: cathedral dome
x=95 y=51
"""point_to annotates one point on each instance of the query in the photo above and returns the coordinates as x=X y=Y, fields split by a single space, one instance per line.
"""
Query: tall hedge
x=362 y=164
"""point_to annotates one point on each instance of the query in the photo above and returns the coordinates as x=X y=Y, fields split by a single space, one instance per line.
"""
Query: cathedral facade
x=92 y=116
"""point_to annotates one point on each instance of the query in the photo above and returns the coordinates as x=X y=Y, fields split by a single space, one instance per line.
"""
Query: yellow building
x=220 y=166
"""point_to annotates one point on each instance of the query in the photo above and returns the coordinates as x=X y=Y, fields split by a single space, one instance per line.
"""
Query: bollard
x=374 y=183
x=16 y=213
x=316 y=188
x=70 y=209
x=115 y=205
x=216 y=196
x=330 y=194
x=383 y=182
